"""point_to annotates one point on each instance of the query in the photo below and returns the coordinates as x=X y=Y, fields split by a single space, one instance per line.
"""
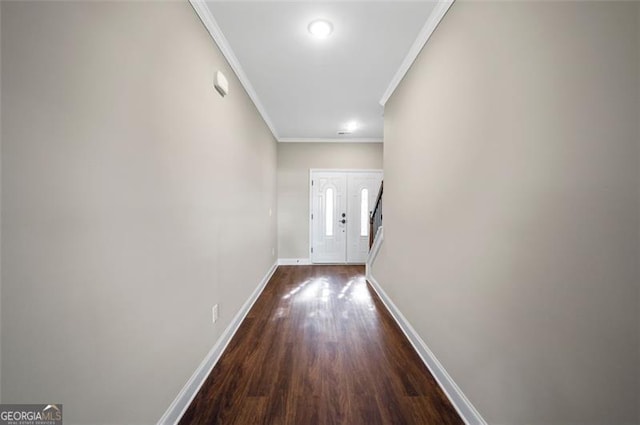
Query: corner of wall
x=183 y=400
x=373 y=252
x=460 y=402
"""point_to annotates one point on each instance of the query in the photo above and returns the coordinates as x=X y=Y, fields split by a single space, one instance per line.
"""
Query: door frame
x=329 y=170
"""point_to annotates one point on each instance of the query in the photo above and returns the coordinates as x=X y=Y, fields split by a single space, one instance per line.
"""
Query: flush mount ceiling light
x=348 y=128
x=320 y=28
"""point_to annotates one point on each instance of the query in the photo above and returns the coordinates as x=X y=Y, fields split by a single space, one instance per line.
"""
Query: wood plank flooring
x=319 y=347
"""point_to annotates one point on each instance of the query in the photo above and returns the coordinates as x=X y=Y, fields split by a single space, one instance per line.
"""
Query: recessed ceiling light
x=320 y=28
x=351 y=126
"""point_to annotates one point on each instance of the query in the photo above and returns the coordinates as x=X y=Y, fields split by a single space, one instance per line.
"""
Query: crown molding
x=205 y=15
x=209 y=22
x=327 y=140
x=427 y=30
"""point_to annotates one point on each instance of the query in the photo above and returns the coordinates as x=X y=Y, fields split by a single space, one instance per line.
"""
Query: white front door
x=341 y=202
x=328 y=225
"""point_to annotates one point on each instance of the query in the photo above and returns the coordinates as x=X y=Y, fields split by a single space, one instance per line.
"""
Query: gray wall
x=0 y=205
x=511 y=208
x=133 y=199
x=294 y=162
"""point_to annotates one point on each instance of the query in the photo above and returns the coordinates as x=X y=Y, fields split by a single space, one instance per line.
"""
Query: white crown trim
x=427 y=30
x=327 y=140
x=205 y=15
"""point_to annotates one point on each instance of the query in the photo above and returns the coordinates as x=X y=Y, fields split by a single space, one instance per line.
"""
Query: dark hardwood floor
x=319 y=347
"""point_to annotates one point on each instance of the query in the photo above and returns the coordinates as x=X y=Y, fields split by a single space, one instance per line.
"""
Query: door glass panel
x=364 y=212
x=328 y=212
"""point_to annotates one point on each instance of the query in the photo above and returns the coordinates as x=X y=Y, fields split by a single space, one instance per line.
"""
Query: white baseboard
x=294 y=261
x=191 y=388
x=463 y=406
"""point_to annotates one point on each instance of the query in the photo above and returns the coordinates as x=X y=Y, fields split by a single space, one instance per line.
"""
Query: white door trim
x=330 y=170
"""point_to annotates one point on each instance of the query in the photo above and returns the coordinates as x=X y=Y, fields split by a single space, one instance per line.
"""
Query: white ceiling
x=307 y=89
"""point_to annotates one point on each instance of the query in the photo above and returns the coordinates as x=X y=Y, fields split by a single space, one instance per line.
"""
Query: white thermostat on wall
x=221 y=84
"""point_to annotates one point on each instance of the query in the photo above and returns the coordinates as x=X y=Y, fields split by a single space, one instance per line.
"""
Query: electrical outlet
x=214 y=312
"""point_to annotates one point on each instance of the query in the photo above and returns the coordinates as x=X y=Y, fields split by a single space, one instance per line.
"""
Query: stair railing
x=375 y=219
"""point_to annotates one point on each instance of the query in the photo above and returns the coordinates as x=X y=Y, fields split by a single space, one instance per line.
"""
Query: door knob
x=344 y=215
x=343 y=221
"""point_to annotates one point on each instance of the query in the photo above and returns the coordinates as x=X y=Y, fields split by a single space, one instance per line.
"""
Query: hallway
x=156 y=183
x=318 y=347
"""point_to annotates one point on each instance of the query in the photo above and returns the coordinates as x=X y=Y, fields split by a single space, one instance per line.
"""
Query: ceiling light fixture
x=348 y=128
x=320 y=28
x=351 y=126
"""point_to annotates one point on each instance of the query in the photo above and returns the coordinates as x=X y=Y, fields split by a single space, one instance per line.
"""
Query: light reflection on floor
x=296 y=289
x=345 y=289
x=325 y=299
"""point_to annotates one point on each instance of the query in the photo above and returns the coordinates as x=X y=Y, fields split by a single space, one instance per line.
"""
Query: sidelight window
x=364 y=212
x=328 y=212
